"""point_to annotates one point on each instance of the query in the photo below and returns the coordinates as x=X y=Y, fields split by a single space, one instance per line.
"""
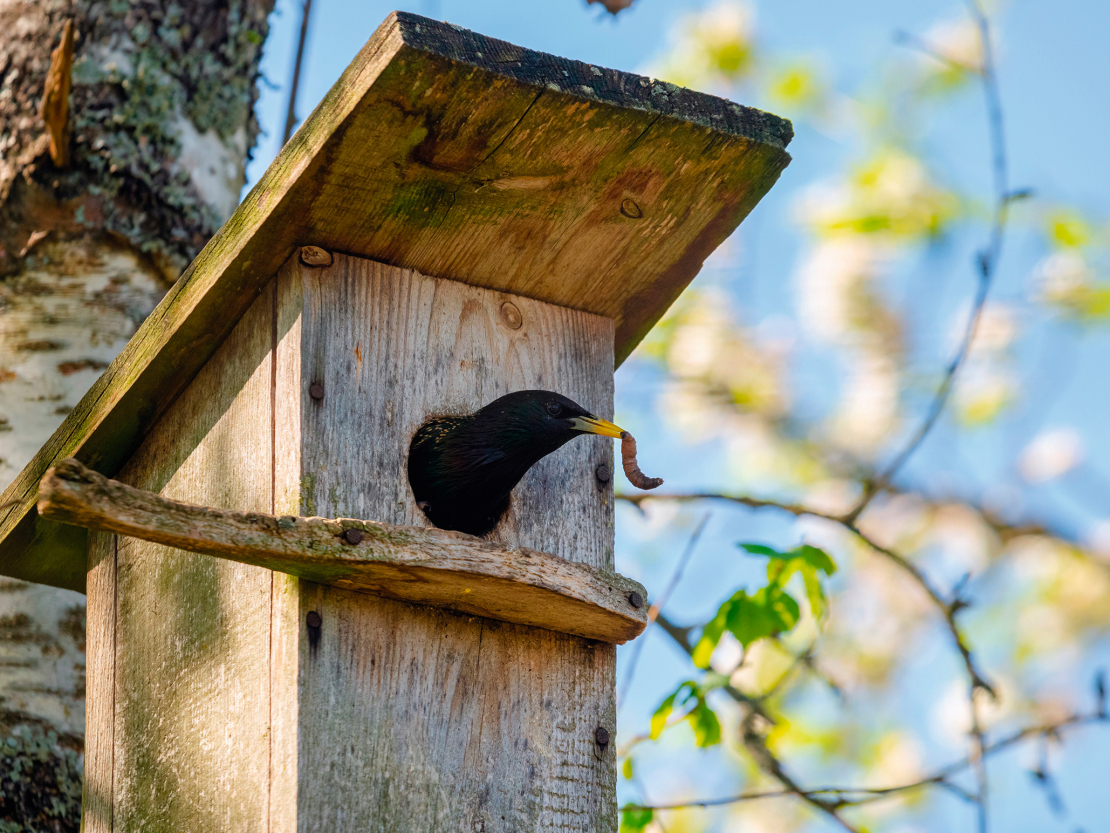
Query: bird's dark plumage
x=462 y=469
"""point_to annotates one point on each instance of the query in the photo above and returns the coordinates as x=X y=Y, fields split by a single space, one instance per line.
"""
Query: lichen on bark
x=162 y=121
x=40 y=783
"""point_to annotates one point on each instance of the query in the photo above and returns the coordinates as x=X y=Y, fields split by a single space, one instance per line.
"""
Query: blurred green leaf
x=702 y=719
x=797 y=86
x=1068 y=230
x=635 y=819
x=761 y=549
x=706 y=726
x=659 y=718
x=809 y=561
x=626 y=769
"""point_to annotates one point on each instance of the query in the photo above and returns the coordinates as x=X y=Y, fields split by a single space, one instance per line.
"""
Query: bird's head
x=542 y=419
x=463 y=468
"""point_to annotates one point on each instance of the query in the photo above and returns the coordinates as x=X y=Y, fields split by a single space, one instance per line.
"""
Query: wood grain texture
x=425 y=720
x=100 y=693
x=457 y=155
x=423 y=566
x=192 y=661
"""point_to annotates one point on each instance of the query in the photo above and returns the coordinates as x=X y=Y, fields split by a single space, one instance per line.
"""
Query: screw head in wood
x=353 y=536
x=315 y=256
x=636 y=600
x=511 y=316
x=313 y=619
x=601 y=735
x=316 y=391
x=602 y=473
x=630 y=210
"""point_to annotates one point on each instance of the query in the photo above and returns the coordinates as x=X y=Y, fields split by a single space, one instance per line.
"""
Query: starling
x=462 y=469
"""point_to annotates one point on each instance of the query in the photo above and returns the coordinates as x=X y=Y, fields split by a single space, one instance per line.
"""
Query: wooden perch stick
x=413 y=564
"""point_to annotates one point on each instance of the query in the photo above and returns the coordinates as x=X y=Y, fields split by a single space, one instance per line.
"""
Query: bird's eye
x=554 y=408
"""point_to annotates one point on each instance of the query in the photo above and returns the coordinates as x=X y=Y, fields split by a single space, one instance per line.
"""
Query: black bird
x=462 y=469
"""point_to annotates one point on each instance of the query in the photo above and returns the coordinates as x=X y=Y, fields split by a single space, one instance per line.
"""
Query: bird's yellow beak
x=593 y=425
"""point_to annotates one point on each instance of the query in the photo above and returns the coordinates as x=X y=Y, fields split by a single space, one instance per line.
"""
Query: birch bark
x=158 y=125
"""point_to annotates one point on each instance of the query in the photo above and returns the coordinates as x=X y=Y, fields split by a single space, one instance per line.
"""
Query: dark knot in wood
x=630 y=210
x=511 y=316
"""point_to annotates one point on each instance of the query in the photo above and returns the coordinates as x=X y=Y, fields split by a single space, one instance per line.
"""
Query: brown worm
x=632 y=469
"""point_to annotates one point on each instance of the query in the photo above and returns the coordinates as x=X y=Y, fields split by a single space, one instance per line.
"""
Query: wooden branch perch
x=413 y=564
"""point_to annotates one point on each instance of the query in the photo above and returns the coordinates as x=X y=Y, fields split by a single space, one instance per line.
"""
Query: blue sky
x=1055 y=78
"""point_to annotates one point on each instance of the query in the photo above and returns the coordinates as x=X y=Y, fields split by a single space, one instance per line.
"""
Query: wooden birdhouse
x=459 y=218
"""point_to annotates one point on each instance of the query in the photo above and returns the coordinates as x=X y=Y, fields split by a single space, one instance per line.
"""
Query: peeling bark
x=157 y=132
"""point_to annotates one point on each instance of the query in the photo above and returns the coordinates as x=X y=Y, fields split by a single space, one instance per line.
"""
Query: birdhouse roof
x=463 y=157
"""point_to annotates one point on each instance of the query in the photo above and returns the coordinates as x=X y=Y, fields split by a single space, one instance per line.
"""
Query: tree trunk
x=147 y=160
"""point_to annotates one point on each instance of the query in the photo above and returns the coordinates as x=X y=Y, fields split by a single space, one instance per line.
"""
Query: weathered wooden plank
x=457 y=155
x=192 y=743
x=100 y=690
x=425 y=566
x=424 y=720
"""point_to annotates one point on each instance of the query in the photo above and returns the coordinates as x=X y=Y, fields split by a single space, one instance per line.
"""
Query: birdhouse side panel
x=413 y=719
x=100 y=683
x=192 y=633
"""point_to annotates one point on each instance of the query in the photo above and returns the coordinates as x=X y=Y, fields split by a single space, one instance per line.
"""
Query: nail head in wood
x=636 y=600
x=601 y=735
x=602 y=474
x=630 y=210
x=511 y=316
x=316 y=391
x=353 y=536
x=315 y=256
x=313 y=619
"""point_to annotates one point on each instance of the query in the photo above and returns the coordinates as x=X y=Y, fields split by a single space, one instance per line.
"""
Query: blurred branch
x=806 y=659
x=657 y=606
x=947 y=607
x=291 y=113
x=841 y=797
x=918 y=43
x=754 y=741
x=987 y=263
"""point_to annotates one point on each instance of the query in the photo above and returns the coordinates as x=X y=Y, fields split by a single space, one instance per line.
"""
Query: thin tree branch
x=947 y=608
x=658 y=605
x=753 y=739
x=291 y=113
x=918 y=43
x=840 y=797
x=987 y=263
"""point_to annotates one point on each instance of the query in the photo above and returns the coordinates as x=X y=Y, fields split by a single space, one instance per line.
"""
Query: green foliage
x=878 y=228
x=691 y=695
x=1068 y=229
x=797 y=87
x=771 y=610
x=635 y=819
